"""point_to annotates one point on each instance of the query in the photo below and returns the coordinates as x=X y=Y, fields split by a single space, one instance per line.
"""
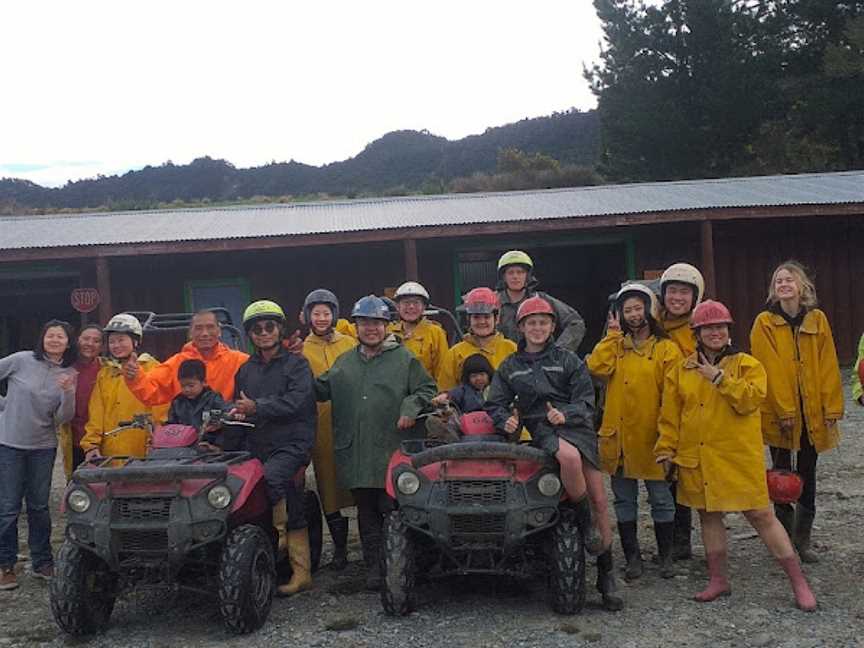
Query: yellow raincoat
x=712 y=433
x=801 y=367
x=321 y=354
x=112 y=402
x=345 y=327
x=635 y=380
x=427 y=341
x=450 y=371
x=679 y=331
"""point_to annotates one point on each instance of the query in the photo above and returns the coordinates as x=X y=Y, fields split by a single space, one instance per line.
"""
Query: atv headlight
x=549 y=485
x=78 y=500
x=408 y=483
x=219 y=497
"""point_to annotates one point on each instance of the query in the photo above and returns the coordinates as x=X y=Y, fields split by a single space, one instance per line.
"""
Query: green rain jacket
x=368 y=397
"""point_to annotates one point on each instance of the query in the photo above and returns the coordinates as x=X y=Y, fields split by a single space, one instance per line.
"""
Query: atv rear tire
x=397 y=566
x=247 y=579
x=315 y=525
x=82 y=591
x=567 y=573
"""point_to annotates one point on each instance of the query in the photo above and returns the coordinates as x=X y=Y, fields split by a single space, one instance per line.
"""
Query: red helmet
x=480 y=301
x=710 y=312
x=784 y=486
x=861 y=371
x=534 y=306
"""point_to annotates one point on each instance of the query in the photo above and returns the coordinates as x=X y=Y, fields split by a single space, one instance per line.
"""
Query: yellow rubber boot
x=301 y=564
x=280 y=519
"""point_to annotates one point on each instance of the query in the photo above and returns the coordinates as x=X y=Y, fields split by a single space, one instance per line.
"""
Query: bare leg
x=571 y=469
x=714 y=539
x=597 y=495
x=580 y=477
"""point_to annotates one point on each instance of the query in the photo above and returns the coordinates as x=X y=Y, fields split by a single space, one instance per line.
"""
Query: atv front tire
x=315 y=526
x=397 y=566
x=247 y=579
x=567 y=571
x=82 y=591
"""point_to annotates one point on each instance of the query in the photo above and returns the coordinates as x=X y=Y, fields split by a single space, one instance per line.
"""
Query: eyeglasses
x=263 y=327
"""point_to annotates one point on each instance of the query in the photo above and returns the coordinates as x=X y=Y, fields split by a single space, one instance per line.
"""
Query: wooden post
x=707 y=232
x=410 y=251
x=103 y=285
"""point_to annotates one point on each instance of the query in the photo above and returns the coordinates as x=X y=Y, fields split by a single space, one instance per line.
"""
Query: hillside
x=397 y=162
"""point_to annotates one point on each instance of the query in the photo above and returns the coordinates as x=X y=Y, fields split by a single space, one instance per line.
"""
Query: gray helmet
x=320 y=296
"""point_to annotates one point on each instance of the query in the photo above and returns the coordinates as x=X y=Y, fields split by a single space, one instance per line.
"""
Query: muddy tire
x=82 y=591
x=567 y=568
x=315 y=525
x=397 y=566
x=247 y=579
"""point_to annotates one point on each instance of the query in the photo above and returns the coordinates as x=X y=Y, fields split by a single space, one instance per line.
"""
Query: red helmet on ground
x=534 y=306
x=481 y=301
x=710 y=312
x=784 y=486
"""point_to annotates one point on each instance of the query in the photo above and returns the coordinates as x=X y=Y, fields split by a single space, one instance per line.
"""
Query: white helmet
x=641 y=289
x=411 y=289
x=686 y=274
x=125 y=323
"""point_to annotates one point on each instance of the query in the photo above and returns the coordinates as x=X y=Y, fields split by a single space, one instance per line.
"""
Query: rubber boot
x=664 y=532
x=370 y=524
x=786 y=514
x=804 y=598
x=718 y=581
x=803 y=528
x=338 y=526
x=301 y=564
x=682 y=548
x=590 y=535
x=606 y=583
x=630 y=545
x=280 y=519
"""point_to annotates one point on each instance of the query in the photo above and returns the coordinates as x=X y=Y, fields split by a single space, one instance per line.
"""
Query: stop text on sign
x=85 y=300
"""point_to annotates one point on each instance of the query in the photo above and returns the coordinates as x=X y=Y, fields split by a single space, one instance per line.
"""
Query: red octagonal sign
x=85 y=300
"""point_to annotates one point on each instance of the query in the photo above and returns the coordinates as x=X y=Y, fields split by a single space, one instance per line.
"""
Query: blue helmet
x=320 y=296
x=372 y=307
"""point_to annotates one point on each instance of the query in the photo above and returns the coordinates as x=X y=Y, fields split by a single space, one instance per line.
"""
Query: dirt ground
x=484 y=612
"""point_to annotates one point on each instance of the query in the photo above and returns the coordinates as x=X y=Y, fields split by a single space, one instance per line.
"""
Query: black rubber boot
x=786 y=514
x=338 y=526
x=682 y=548
x=664 y=532
x=803 y=529
x=630 y=545
x=606 y=583
x=590 y=535
x=369 y=523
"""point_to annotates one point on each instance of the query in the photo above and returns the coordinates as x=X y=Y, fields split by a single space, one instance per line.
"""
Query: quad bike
x=479 y=506
x=178 y=519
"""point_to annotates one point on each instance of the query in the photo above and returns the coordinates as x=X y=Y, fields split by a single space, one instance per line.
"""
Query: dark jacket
x=285 y=411
x=466 y=398
x=187 y=411
x=530 y=380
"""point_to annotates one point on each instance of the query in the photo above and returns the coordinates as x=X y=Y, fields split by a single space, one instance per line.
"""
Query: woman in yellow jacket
x=710 y=430
x=321 y=348
x=422 y=337
x=793 y=340
x=633 y=359
x=111 y=401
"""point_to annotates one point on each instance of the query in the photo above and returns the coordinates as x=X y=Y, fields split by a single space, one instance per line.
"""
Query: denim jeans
x=25 y=475
x=626 y=493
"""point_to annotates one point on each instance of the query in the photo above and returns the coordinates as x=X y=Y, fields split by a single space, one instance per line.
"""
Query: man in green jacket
x=377 y=390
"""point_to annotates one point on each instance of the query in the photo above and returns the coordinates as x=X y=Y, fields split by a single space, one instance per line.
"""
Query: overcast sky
x=102 y=87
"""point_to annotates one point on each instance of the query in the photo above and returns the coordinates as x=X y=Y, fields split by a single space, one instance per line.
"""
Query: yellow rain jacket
x=635 y=380
x=679 y=331
x=712 y=433
x=112 y=402
x=450 y=371
x=345 y=327
x=427 y=341
x=857 y=389
x=801 y=366
x=321 y=354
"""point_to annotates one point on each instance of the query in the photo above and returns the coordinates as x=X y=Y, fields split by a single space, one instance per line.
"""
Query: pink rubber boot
x=718 y=583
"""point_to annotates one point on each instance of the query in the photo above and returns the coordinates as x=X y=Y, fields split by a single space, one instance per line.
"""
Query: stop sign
x=85 y=300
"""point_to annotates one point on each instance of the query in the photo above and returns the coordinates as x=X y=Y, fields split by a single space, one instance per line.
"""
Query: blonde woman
x=793 y=340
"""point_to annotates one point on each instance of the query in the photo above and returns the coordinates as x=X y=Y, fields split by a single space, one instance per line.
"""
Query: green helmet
x=515 y=257
x=262 y=309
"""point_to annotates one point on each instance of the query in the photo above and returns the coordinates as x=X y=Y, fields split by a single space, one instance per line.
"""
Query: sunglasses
x=263 y=327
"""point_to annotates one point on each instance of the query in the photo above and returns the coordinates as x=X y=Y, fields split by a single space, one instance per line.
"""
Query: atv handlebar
x=480 y=450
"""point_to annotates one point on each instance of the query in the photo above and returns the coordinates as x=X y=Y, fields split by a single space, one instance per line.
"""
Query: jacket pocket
x=608 y=449
x=686 y=461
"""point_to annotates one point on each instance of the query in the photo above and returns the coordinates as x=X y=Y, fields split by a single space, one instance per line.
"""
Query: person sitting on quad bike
x=196 y=400
x=274 y=389
x=548 y=389
x=112 y=402
x=469 y=396
x=377 y=390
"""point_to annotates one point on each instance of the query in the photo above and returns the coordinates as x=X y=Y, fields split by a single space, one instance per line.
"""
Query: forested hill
x=398 y=162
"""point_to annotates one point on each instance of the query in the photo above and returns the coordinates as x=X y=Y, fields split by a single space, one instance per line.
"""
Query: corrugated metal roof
x=21 y=232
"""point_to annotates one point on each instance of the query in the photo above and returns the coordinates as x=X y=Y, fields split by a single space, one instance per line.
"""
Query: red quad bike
x=479 y=506
x=179 y=518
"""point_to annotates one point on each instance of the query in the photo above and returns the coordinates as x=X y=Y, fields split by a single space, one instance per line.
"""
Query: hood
x=116 y=367
x=531 y=286
x=190 y=350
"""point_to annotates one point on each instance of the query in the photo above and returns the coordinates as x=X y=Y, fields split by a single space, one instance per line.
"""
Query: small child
x=194 y=399
x=468 y=396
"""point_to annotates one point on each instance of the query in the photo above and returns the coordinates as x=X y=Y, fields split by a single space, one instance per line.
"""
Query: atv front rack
x=142 y=469
x=480 y=450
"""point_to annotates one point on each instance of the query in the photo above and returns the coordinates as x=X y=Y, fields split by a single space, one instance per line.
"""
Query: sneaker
x=8 y=580
x=45 y=572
